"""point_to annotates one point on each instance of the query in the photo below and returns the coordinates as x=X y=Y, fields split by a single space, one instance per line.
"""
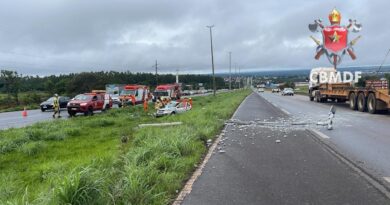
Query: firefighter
x=56 y=106
x=190 y=101
x=133 y=99
x=146 y=105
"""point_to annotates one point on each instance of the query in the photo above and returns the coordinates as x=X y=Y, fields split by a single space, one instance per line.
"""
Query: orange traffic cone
x=24 y=113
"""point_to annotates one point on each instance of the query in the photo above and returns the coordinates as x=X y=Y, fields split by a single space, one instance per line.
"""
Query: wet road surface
x=251 y=166
x=362 y=137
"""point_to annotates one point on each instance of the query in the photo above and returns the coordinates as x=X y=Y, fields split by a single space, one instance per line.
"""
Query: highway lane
x=15 y=119
x=254 y=168
x=362 y=137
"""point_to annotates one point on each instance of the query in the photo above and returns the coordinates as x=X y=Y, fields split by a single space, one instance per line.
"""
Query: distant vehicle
x=87 y=103
x=260 y=90
x=185 y=92
x=49 y=103
x=172 y=91
x=288 y=91
x=140 y=92
x=173 y=108
x=114 y=90
x=275 y=90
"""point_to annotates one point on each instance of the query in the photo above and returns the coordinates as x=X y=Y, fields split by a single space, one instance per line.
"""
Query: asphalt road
x=15 y=119
x=249 y=166
x=362 y=137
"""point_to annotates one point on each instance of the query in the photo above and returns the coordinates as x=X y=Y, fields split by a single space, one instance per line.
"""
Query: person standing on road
x=56 y=106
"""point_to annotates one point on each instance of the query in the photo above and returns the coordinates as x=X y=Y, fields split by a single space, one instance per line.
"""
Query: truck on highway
x=172 y=91
x=87 y=103
x=139 y=92
x=374 y=97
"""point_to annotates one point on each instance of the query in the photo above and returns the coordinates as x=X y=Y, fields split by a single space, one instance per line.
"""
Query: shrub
x=32 y=148
x=79 y=188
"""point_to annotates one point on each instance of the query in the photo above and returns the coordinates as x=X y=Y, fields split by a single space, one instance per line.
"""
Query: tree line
x=12 y=83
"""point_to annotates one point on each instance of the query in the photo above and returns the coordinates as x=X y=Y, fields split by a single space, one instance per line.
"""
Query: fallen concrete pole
x=160 y=124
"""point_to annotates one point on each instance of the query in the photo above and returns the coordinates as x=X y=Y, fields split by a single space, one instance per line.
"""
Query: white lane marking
x=285 y=111
x=387 y=179
x=320 y=134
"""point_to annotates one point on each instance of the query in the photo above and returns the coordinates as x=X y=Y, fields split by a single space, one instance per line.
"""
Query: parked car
x=260 y=90
x=49 y=103
x=275 y=90
x=172 y=108
x=87 y=103
x=288 y=91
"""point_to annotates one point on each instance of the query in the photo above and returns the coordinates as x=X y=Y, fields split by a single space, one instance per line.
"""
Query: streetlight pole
x=230 y=70
x=156 y=73
x=212 y=57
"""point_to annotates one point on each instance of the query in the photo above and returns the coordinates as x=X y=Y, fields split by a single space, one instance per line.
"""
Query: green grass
x=302 y=90
x=107 y=159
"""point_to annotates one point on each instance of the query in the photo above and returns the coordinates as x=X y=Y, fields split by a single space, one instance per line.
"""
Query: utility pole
x=235 y=75
x=177 y=75
x=156 y=73
x=212 y=57
x=230 y=70
x=239 y=77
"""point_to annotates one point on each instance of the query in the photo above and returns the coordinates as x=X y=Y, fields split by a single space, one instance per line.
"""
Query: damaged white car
x=173 y=108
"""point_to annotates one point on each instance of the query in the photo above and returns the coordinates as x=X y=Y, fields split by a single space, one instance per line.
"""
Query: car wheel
x=43 y=110
x=173 y=113
x=71 y=113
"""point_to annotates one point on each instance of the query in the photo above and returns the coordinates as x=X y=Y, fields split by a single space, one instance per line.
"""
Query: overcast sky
x=44 y=37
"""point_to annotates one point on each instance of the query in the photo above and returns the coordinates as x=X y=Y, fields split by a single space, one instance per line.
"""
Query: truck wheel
x=371 y=103
x=362 y=102
x=352 y=101
x=317 y=96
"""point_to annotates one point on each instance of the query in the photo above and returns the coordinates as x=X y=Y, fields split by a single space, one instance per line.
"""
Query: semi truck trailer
x=373 y=97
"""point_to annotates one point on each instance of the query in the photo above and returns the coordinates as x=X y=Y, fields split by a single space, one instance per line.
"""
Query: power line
x=383 y=61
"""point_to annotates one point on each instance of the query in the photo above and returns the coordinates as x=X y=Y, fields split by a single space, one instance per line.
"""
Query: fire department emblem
x=335 y=38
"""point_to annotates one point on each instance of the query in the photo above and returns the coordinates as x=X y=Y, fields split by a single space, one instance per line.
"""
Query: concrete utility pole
x=230 y=70
x=212 y=57
x=156 y=73
x=177 y=75
x=239 y=77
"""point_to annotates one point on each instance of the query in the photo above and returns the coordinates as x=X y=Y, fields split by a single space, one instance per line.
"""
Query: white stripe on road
x=320 y=134
x=285 y=111
x=387 y=179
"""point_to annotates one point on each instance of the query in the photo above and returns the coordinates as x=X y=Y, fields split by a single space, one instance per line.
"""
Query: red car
x=87 y=103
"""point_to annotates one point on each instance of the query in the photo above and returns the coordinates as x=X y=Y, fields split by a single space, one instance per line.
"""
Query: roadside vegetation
x=302 y=90
x=107 y=158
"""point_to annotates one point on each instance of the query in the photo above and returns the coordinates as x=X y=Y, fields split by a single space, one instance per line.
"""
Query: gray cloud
x=62 y=36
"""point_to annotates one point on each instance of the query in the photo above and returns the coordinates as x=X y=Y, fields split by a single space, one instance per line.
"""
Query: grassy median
x=107 y=159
